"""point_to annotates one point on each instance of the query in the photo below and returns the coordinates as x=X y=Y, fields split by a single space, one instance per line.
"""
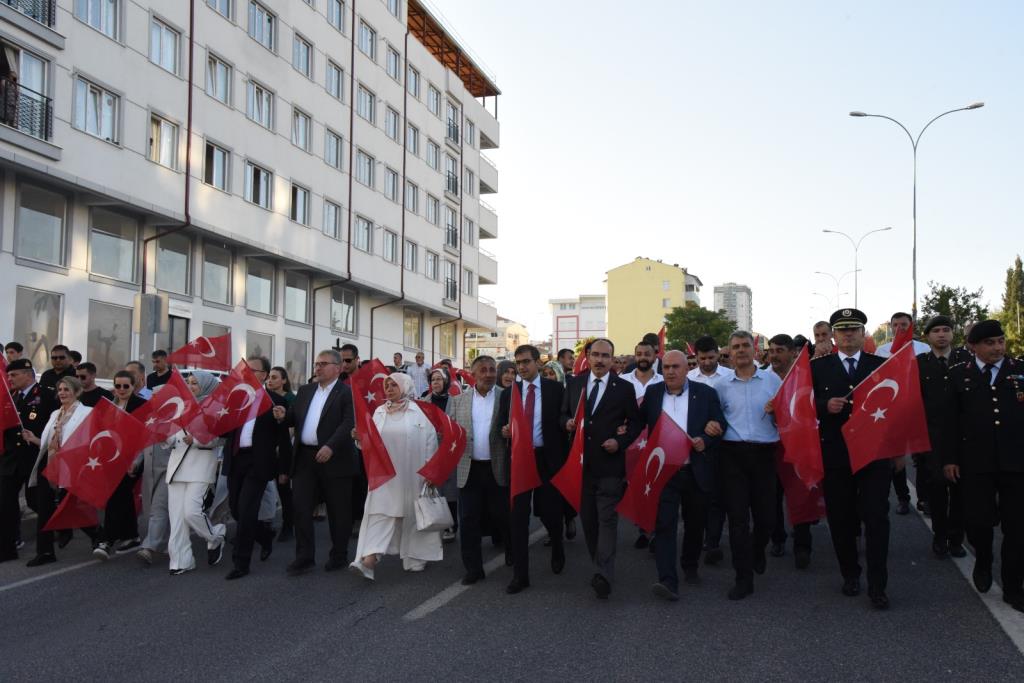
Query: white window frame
x=332 y=228
x=86 y=91
x=222 y=7
x=391 y=184
x=336 y=11
x=393 y=64
x=393 y=124
x=410 y=256
x=412 y=197
x=300 y=45
x=366 y=104
x=207 y=171
x=300 y=204
x=212 y=77
x=432 y=266
x=156 y=45
x=302 y=129
x=389 y=246
x=412 y=81
x=433 y=155
x=367 y=42
x=248 y=192
x=468 y=282
x=412 y=139
x=433 y=210
x=333 y=146
x=156 y=147
x=362 y=237
x=434 y=100
x=262 y=25
x=335 y=77
x=91 y=13
x=365 y=168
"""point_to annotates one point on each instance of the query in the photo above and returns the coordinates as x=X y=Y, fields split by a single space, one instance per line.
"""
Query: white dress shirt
x=316 y=406
x=995 y=367
x=420 y=375
x=638 y=385
x=483 y=413
x=678 y=406
x=245 y=438
x=712 y=381
x=885 y=350
x=538 y=434
x=846 y=366
x=600 y=388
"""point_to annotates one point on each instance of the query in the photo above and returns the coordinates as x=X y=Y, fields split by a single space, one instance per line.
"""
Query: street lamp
x=856 y=249
x=835 y=279
x=914 y=142
x=832 y=303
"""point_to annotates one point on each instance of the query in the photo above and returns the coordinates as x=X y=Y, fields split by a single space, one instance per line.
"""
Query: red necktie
x=530 y=394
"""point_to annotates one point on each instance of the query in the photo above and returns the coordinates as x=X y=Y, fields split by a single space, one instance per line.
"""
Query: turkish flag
x=690 y=351
x=902 y=338
x=524 y=476
x=669 y=447
x=449 y=451
x=803 y=504
x=454 y=388
x=209 y=353
x=368 y=382
x=581 y=364
x=661 y=342
x=72 y=513
x=9 y=417
x=376 y=461
x=466 y=377
x=237 y=399
x=94 y=459
x=797 y=420
x=888 y=418
x=171 y=409
x=569 y=479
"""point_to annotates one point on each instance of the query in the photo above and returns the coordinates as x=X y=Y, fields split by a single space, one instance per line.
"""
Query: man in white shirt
x=644 y=374
x=708 y=371
x=900 y=323
x=419 y=372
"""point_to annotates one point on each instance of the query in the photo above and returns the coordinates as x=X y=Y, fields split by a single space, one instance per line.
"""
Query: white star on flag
x=150 y=421
x=879 y=414
x=222 y=412
x=370 y=397
x=93 y=463
x=641 y=444
x=647 y=489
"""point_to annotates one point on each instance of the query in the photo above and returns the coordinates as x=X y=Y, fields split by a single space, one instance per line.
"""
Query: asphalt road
x=120 y=620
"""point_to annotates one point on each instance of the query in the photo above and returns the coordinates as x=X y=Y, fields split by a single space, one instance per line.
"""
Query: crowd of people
x=302 y=459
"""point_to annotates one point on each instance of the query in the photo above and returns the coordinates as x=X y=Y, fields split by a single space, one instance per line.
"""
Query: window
x=363 y=238
x=468 y=282
x=301 y=129
x=448 y=341
x=453 y=115
x=411 y=256
x=332 y=219
x=470 y=183
x=215 y=169
x=163 y=45
x=218 y=79
x=665 y=285
x=259 y=286
x=391 y=124
x=394 y=64
x=222 y=7
x=302 y=56
x=96 y=110
x=364 y=168
x=259 y=104
x=412 y=82
x=335 y=80
x=412 y=197
x=300 y=205
x=433 y=210
x=391 y=184
x=173 y=263
x=262 y=25
x=395 y=7
x=217 y=274
x=434 y=101
x=412 y=139
x=367 y=40
x=102 y=15
x=366 y=105
x=430 y=266
x=412 y=329
x=258 y=344
x=296 y=297
x=336 y=14
x=468 y=231
x=332 y=149
x=37 y=323
x=433 y=155
x=390 y=251
x=109 y=343
x=451 y=172
x=259 y=185
x=344 y=304
x=163 y=142
x=296 y=358
x=451 y=228
x=666 y=303
x=40 y=225
x=112 y=245
x=451 y=281
x=470 y=136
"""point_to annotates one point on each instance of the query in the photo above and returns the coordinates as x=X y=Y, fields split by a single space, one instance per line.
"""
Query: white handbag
x=432 y=512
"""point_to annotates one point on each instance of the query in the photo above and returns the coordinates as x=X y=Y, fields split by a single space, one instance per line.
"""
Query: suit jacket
x=271 y=447
x=617 y=407
x=550 y=458
x=987 y=433
x=703 y=407
x=460 y=409
x=334 y=428
x=35 y=409
x=831 y=380
x=935 y=393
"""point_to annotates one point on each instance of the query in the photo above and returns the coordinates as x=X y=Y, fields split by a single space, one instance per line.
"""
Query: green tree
x=687 y=323
x=1013 y=308
x=961 y=305
x=581 y=343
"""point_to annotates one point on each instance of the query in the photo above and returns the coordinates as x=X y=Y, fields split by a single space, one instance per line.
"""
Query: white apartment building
x=736 y=301
x=499 y=343
x=693 y=285
x=294 y=172
x=576 y=319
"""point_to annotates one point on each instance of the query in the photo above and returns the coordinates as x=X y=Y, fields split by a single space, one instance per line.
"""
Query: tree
x=881 y=333
x=1013 y=308
x=687 y=323
x=960 y=305
x=582 y=343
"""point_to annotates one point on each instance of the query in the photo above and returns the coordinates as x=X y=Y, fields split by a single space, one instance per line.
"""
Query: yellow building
x=640 y=294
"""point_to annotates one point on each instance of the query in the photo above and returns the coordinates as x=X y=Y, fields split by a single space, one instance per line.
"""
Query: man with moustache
x=823 y=344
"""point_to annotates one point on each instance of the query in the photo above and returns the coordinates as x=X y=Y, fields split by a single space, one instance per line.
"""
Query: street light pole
x=913 y=143
x=837 y=280
x=856 y=249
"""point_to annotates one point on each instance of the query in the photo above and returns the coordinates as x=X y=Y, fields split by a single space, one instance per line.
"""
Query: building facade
x=294 y=172
x=693 y=285
x=640 y=294
x=500 y=343
x=736 y=301
x=576 y=319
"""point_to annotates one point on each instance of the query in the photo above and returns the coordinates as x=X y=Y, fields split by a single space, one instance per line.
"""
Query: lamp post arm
x=945 y=113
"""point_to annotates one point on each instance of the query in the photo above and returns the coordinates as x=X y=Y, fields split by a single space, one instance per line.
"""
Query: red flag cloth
x=797 y=420
x=669 y=446
x=902 y=338
x=171 y=409
x=869 y=345
x=9 y=417
x=466 y=377
x=93 y=460
x=209 y=353
x=454 y=389
x=690 y=351
x=376 y=461
x=803 y=504
x=569 y=479
x=72 y=513
x=524 y=475
x=449 y=451
x=237 y=399
x=368 y=382
x=888 y=418
x=581 y=364
x=661 y=342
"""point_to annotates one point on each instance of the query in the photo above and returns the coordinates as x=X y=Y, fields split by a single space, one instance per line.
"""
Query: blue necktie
x=853 y=366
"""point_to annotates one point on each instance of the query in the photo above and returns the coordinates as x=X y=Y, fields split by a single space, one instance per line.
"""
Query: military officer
x=34 y=405
x=984 y=453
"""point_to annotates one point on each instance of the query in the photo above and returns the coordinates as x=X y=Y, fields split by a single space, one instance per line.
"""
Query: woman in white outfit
x=191 y=469
x=389 y=517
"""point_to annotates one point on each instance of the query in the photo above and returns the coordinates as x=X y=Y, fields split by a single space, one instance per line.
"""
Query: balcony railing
x=43 y=11
x=451 y=289
x=452 y=183
x=453 y=132
x=451 y=237
x=25 y=109
x=487 y=206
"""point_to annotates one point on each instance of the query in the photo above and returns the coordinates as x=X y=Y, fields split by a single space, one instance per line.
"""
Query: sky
x=716 y=135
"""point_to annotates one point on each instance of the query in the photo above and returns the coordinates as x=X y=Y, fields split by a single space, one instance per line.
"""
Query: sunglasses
x=122 y=386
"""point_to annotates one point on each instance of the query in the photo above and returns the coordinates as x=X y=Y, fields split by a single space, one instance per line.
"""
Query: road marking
x=41 y=577
x=1008 y=618
x=456 y=589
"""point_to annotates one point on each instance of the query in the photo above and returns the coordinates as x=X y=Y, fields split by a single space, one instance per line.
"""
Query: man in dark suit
x=34 y=405
x=694 y=406
x=253 y=455
x=60 y=359
x=851 y=499
x=324 y=462
x=542 y=405
x=610 y=403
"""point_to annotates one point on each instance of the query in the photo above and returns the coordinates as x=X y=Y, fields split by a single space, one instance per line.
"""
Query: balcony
x=487 y=271
x=25 y=109
x=451 y=185
x=488 y=176
x=43 y=11
x=488 y=221
x=451 y=135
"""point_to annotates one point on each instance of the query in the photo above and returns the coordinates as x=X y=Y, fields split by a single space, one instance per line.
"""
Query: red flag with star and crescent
x=668 y=450
x=523 y=462
x=208 y=353
x=797 y=420
x=569 y=478
x=580 y=365
x=9 y=417
x=238 y=398
x=888 y=419
x=367 y=395
x=368 y=382
x=72 y=513
x=171 y=409
x=449 y=451
x=95 y=457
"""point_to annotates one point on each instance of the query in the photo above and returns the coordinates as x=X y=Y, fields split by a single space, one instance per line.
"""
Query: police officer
x=34 y=405
x=984 y=454
x=851 y=499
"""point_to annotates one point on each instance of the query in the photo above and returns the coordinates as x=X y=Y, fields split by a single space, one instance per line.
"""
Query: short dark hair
x=527 y=348
x=352 y=348
x=481 y=359
x=652 y=338
x=821 y=323
x=705 y=344
x=264 y=361
x=139 y=363
x=799 y=341
x=284 y=373
x=159 y=353
x=399 y=354
x=562 y=352
x=76 y=356
x=88 y=367
x=900 y=314
x=14 y=346
x=648 y=344
x=126 y=374
x=782 y=340
x=609 y=342
x=60 y=347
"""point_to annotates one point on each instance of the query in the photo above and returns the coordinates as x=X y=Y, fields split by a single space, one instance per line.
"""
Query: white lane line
x=456 y=589
x=1009 y=619
x=49 y=575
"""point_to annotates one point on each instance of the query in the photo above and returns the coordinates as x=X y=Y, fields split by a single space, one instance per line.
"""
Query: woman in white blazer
x=191 y=470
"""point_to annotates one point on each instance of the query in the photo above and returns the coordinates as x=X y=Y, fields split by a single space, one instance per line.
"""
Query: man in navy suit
x=693 y=406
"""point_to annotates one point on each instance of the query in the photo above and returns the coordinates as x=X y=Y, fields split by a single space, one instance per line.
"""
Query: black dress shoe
x=299 y=567
x=570 y=529
x=760 y=563
x=957 y=550
x=691 y=577
x=851 y=588
x=1014 y=601
x=982 y=578
x=472 y=577
x=334 y=565
x=516 y=586
x=903 y=507
x=741 y=590
x=778 y=549
x=285 y=535
x=641 y=542
x=924 y=508
x=236 y=573
x=802 y=558
x=265 y=551
x=940 y=548
x=713 y=556
x=64 y=537
x=557 y=560
x=879 y=600
x=601 y=586
x=40 y=560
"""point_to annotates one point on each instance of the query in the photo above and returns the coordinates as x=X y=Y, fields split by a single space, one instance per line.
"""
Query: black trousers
x=480 y=497
x=310 y=484
x=989 y=498
x=681 y=492
x=899 y=485
x=748 y=470
x=10 y=516
x=801 y=532
x=548 y=502
x=852 y=499
x=45 y=497
x=716 y=508
x=946 y=501
x=924 y=476
x=284 y=492
x=119 y=520
x=244 y=496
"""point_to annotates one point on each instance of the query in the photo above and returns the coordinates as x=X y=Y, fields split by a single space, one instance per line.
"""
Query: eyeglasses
x=122 y=386
x=321 y=363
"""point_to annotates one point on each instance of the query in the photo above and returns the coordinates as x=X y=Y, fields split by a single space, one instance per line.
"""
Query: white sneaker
x=360 y=569
x=102 y=551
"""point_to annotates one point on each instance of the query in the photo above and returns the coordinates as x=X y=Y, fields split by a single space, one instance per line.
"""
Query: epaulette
x=957 y=365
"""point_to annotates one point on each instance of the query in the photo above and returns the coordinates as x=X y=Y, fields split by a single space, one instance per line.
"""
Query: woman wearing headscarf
x=506 y=374
x=553 y=370
x=437 y=394
x=389 y=516
x=191 y=470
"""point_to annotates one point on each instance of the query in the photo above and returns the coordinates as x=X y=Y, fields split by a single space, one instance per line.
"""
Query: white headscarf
x=408 y=388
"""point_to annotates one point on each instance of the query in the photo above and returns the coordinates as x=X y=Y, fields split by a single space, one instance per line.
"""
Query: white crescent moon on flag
x=797 y=395
x=250 y=395
x=179 y=408
x=211 y=354
x=113 y=436
x=660 y=455
x=884 y=384
x=379 y=374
